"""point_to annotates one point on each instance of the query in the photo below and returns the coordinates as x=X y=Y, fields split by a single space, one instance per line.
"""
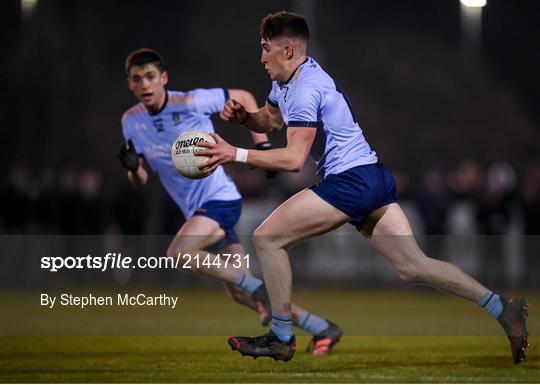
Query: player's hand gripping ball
x=182 y=155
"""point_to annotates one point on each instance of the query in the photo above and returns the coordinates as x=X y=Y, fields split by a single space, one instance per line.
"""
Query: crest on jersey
x=158 y=124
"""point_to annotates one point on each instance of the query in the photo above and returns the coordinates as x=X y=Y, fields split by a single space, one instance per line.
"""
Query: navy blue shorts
x=227 y=214
x=358 y=191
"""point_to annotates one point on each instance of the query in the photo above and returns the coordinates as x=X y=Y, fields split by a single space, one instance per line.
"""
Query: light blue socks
x=248 y=282
x=312 y=323
x=282 y=325
x=492 y=303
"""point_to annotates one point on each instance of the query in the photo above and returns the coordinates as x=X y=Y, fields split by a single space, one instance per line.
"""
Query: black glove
x=263 y=146
x=128 y=156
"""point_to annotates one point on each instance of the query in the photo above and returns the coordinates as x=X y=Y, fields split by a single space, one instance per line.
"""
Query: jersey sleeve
x=272 y=98
x=210 y=101
x=304 y=107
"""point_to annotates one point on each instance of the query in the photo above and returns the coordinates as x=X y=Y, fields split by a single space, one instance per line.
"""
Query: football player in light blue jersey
x=354 y=188
x=211 y=205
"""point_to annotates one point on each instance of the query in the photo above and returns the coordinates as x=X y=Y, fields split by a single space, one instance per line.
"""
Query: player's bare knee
x=263 y=239
x=269 y=238
x=262 y=242
x=177 y=250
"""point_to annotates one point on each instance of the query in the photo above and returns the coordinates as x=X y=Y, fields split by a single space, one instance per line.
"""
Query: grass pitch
x=461 y=355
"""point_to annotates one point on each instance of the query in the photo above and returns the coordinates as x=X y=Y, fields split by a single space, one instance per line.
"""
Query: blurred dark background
x=447 y=96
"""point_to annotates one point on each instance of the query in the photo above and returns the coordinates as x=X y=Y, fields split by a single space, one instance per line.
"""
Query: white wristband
x=241 y=155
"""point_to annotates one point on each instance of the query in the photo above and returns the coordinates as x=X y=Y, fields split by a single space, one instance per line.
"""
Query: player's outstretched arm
x=290 y=158
x=265 y=119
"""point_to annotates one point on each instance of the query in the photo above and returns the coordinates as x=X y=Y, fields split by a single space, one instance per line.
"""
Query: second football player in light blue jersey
x=211 y=205
x=153 y=135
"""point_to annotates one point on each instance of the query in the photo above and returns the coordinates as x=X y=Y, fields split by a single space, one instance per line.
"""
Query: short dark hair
x=284 y=23
x=142 y=57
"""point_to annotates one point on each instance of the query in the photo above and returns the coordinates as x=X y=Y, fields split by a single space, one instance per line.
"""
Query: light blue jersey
x=310 y=98
x=153 y=136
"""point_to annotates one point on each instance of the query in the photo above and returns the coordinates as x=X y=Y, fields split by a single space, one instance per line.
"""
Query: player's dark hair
x=284 y=23
x=143 y=57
